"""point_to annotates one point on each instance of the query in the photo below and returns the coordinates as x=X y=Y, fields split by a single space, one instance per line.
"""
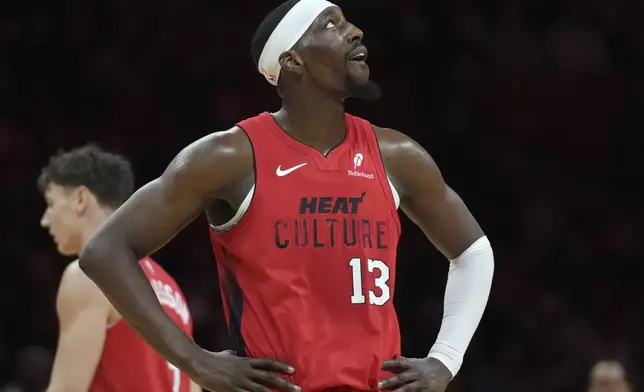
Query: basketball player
x=609 y=376
x=97 y=350
x=303 y=207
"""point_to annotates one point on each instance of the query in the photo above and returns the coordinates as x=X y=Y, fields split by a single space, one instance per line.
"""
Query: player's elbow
x=94 y=257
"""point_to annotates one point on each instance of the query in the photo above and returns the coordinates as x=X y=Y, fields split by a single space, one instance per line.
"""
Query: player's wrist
x=438 y=370
x=186 y=357
x=448 y=356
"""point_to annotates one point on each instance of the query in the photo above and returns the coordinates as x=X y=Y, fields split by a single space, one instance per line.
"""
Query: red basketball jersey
x=307 y=273
x=128 y=363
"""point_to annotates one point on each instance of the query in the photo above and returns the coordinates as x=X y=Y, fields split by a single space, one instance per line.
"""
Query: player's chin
x=66 y=249
x=363 y=89
x=359 y=71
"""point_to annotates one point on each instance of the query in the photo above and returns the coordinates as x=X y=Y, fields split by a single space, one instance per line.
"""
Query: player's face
x=607 y=381
x=334 y=56
x=62 y=218
x=609 y=386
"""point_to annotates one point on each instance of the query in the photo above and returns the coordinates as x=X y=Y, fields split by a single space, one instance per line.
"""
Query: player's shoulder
x=77 y=290
x=74 y=277
x=230 y=144
x=395 y=145
x=213 y=161
x=390 y=141
x=404 y=158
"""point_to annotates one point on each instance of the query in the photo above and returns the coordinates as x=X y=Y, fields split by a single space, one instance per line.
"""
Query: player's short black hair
x=266 y=28
x=108 y=176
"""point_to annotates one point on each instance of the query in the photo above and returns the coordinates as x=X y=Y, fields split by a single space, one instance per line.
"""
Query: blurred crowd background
x=532 y=109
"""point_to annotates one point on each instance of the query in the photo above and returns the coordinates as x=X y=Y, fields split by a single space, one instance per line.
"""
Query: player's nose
x=354 y=34
x=44 y=221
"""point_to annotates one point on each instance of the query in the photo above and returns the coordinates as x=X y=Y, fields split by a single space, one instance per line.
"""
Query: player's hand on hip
x=226 y=372
x=426 y=374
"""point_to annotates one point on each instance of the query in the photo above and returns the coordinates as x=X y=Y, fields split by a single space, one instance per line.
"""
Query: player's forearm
x=116 y=271
x=466 y=294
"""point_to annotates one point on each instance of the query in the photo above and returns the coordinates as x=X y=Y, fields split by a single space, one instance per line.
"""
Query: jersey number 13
x=378 y=271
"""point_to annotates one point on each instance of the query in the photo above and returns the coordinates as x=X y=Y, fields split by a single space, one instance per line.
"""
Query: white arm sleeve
x=466 y=295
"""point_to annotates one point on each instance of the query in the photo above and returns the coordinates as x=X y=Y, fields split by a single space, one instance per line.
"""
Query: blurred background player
x=609 y=376
x=97 y=350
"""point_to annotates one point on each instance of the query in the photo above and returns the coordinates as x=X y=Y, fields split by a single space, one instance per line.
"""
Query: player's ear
x=292 y=61
x=82 y=199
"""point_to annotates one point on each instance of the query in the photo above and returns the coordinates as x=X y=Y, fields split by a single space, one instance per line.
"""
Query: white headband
x=289 y=30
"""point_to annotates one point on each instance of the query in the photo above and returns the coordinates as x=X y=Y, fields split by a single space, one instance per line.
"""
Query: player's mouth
x=358 y=55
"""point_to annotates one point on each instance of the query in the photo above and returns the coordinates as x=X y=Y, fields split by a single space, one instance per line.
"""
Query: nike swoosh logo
x=282 y=173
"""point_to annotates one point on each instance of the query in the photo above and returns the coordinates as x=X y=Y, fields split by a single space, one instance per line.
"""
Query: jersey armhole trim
x=113 y=324
x=394 y=192
x=241 y=211
x=246 y=203
x=394 y=197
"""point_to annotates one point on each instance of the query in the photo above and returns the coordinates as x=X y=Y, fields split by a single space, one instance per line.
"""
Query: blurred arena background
x=532 y=108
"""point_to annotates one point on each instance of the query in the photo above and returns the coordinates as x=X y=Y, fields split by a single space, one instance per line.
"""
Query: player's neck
x=92 y=223
x=316 y=120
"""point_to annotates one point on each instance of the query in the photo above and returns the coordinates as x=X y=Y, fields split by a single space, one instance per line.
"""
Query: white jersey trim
x=239 y=214
x=111 y=325
x=394 y=193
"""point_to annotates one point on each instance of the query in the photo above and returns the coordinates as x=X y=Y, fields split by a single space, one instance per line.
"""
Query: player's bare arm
x=194 y=387
x=199 y=174
x=83 y=314
x=447 y=222
x=425 y=197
